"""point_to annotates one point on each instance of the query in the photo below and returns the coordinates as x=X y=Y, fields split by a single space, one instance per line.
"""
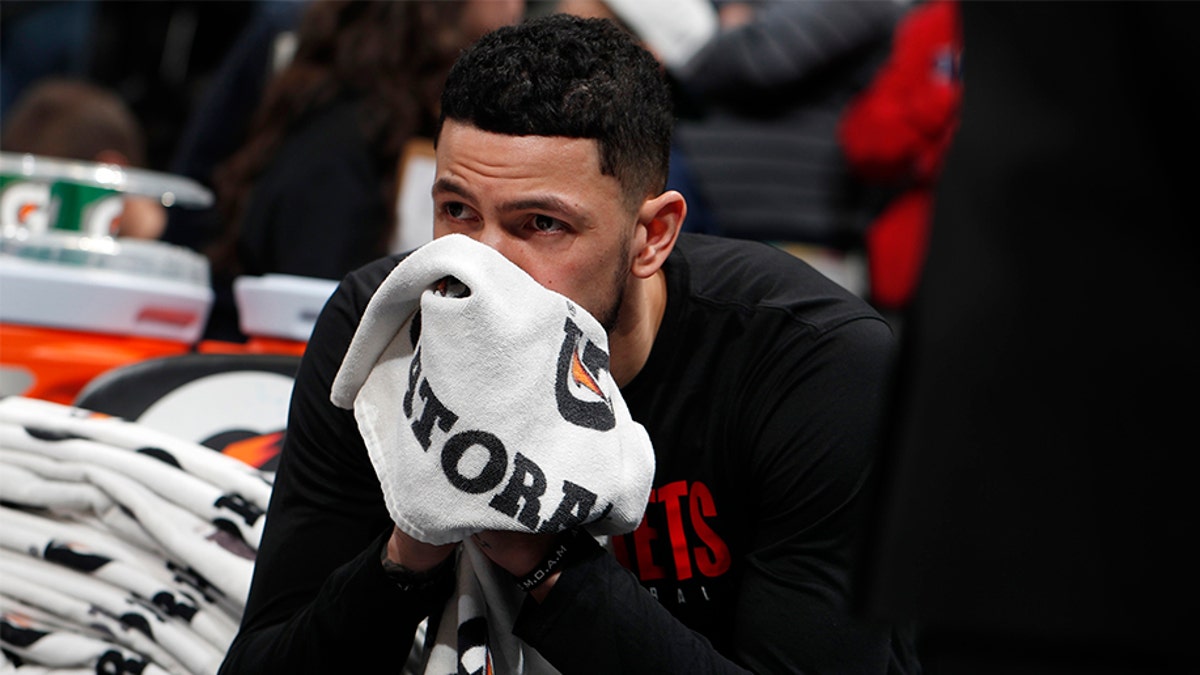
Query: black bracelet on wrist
x=411 y=580
x=565 y=548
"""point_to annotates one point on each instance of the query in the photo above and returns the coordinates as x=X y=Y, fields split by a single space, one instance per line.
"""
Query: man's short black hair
x=562 y=75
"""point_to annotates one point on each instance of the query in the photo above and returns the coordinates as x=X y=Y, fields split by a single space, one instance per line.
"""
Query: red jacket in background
x=896 y=132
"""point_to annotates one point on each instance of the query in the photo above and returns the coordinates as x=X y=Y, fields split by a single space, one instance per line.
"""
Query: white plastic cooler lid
x=280 y=305
x=102 y=285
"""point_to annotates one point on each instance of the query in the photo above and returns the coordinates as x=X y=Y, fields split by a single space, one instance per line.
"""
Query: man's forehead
x=472 y=155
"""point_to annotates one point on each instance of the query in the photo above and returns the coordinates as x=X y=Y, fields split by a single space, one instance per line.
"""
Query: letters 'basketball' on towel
x=485 y=401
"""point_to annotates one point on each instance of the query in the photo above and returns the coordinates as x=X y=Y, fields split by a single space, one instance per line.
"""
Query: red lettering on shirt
x=689 y=535
x=714 y=560
x=669 y=496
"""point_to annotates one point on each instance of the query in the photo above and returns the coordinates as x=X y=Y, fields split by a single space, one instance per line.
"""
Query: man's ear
x=659 y=221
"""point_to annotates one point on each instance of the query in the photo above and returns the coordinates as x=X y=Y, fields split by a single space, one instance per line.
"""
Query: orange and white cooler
x=74 y=301
x=73 y=307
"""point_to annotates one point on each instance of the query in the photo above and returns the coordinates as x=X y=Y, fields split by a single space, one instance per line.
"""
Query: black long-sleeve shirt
x=761 y=396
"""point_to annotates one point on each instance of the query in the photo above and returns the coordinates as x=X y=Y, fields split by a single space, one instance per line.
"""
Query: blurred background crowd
x=800 y=123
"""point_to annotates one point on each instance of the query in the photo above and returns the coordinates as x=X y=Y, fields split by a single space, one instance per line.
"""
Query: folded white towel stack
x=485 y=401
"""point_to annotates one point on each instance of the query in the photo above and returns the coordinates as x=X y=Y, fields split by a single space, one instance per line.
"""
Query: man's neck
x=641 y=314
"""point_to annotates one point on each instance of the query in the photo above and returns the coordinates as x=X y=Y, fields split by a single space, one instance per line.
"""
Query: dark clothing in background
x=1038 y=515
x=220 y=121
x=161 y=56
x=40 y=39
x=760 y=134
x=316 y=211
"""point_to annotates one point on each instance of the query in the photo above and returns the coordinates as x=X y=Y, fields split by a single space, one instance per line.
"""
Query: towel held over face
x=486 y=403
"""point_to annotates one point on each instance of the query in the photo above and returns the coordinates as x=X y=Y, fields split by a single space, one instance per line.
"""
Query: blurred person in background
x=312 y=191
x=218 y=124
x=67 y=118
x=895 y=133
x=758 y=127
x=766 y=92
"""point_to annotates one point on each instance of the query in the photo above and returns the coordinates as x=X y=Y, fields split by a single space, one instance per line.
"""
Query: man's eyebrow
x=549 y=203
x=447 y=185
x=546 y=202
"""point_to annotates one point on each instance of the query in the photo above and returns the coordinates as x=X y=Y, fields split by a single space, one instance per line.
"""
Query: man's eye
x=457 y=210
x=547 y=224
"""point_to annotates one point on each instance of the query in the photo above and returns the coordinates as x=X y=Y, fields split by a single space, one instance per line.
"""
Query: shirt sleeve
x=599 y=619
x=320 y=600
x=811 y=450
x=814 y=444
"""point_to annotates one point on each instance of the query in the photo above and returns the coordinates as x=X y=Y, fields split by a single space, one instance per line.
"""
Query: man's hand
x=519 y=554
x=416 y=555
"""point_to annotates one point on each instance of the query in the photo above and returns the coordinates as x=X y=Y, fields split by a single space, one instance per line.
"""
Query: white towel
x=474 y=636
x=492 y=407
x=120 y=546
